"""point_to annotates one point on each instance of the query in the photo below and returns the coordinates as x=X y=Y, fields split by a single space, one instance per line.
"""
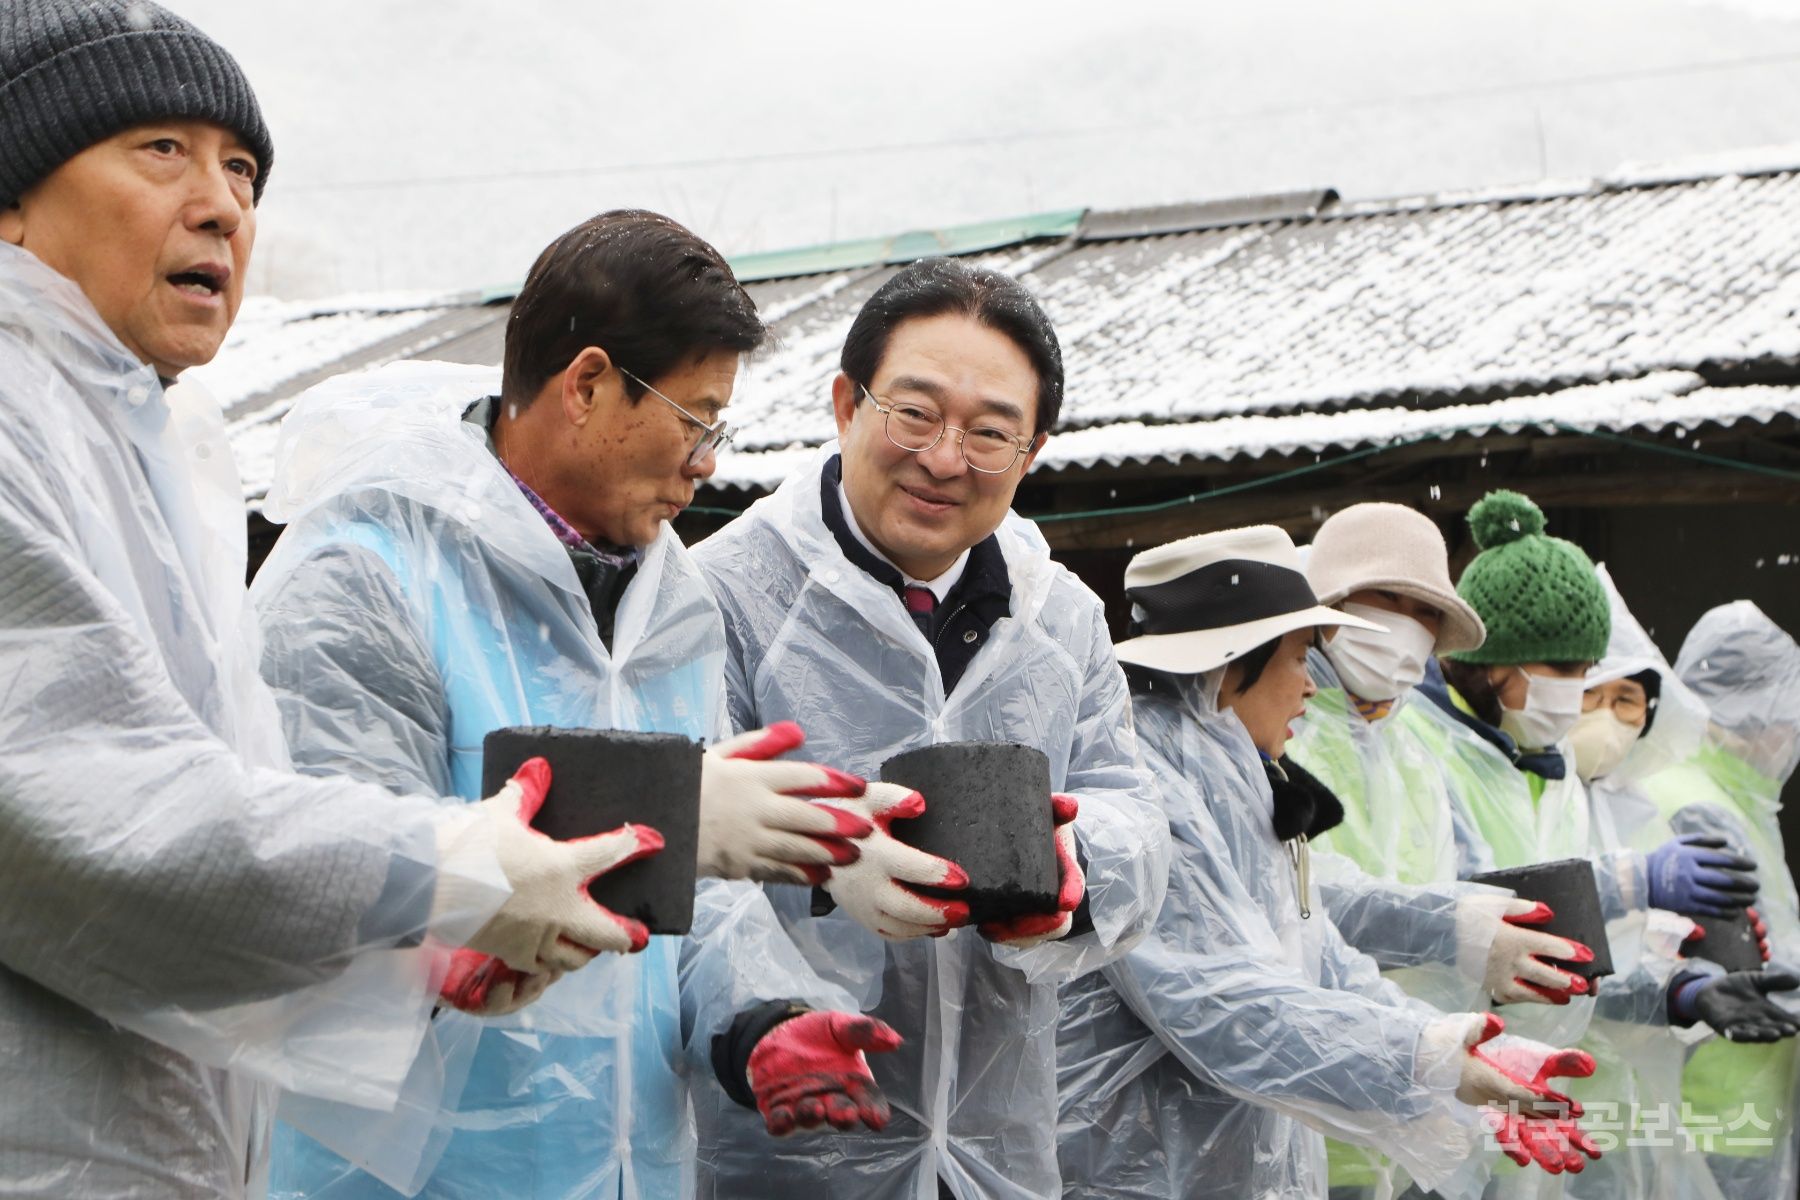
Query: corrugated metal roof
x=1668 y=400
x=906 y=247
x=1291 y=311
x=1206 y=214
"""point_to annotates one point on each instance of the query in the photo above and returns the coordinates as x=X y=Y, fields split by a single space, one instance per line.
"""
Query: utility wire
x=1684 y=452
x=1131 y=510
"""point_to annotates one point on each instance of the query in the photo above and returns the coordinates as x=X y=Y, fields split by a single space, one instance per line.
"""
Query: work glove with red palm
x=880 y=889
x=549 y=922
x=1510 y=1077
x=1035 y=928
x=757 y=816
x=1519 y=969
x=810 y=1070
x=1761 y=928
x=483 y=986
x=1695 y=944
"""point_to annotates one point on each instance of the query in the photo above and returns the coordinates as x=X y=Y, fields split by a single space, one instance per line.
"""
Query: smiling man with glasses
x=887 y=598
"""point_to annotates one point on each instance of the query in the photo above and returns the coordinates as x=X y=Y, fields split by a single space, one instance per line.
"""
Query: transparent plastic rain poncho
x=1746 y=670
x=1502 y=825
x=815 y=639
x=416 y=602
x=1388 y=872
x=1498 y=824
x=1633 y=1097
x=1210 y=1061
x=186 y=920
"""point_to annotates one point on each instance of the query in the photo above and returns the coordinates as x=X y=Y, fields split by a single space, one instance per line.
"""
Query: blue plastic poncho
x=416 y=602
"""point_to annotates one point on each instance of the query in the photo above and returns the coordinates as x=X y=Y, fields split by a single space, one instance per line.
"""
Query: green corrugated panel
x=494 y=295
x=870 y=252
x=905 y=247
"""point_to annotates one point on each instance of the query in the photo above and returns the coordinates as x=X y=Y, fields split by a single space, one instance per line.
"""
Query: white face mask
x=1552 y=706
x=1601 y=741
x=1380 y=666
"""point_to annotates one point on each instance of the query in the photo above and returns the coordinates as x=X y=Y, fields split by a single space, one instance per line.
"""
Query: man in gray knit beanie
x=132 y=155
x=74 y=72
x=185 y=924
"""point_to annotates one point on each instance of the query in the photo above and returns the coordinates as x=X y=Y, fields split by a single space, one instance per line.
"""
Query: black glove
x=1736 y=1005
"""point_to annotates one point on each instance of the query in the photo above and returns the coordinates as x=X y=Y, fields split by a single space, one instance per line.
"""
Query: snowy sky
x=439 y=144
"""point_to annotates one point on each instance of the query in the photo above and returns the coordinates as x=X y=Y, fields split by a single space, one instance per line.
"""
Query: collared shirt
x=939 y=587
x=978 y=595
x=603 y=569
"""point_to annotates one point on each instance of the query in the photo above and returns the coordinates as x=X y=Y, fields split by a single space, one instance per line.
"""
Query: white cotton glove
x=757 y=818
x=549 y=923
x=1517 y=968
x=874 y=890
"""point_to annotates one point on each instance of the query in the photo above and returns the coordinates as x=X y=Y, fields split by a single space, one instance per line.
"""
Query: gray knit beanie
x=75 y=72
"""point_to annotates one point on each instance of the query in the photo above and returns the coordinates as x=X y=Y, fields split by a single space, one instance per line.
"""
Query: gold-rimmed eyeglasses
x=713 y=438
x=916 y=428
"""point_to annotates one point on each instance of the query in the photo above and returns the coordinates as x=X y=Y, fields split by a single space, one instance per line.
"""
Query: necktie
x=921 y=603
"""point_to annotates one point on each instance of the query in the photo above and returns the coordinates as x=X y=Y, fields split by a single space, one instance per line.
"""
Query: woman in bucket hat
x=1205 y=1062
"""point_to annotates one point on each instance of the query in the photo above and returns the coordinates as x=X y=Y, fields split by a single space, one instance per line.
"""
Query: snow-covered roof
x=1270 y=326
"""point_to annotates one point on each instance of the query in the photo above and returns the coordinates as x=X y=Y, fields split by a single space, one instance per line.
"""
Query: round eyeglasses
x=915 y=428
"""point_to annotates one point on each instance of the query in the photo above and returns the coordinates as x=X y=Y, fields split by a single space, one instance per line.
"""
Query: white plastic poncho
x=1210 y=1061
x=815 y=639
x=185 y=919
x=1633 y=1098
x=1504 y=823
x=1740 y=1101
x=416 y=602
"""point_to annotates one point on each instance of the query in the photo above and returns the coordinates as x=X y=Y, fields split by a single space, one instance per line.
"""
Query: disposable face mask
x=1601 y=741
x=1552 y=706
x=1380 y=666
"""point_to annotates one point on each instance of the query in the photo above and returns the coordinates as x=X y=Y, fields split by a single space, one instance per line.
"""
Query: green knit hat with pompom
x=1538 y=595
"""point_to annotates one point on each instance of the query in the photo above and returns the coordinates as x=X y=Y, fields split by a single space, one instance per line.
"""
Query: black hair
x=932 y=287
x=643 y=288
x=1650 y=679
x=1471 y=682
x=1254 y=662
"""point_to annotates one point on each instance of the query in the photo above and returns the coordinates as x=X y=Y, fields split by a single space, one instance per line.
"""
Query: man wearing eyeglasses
x=886 y=598
x=461 y=558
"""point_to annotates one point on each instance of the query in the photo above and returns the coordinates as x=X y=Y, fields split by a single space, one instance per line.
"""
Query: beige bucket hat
x=1392 y=548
